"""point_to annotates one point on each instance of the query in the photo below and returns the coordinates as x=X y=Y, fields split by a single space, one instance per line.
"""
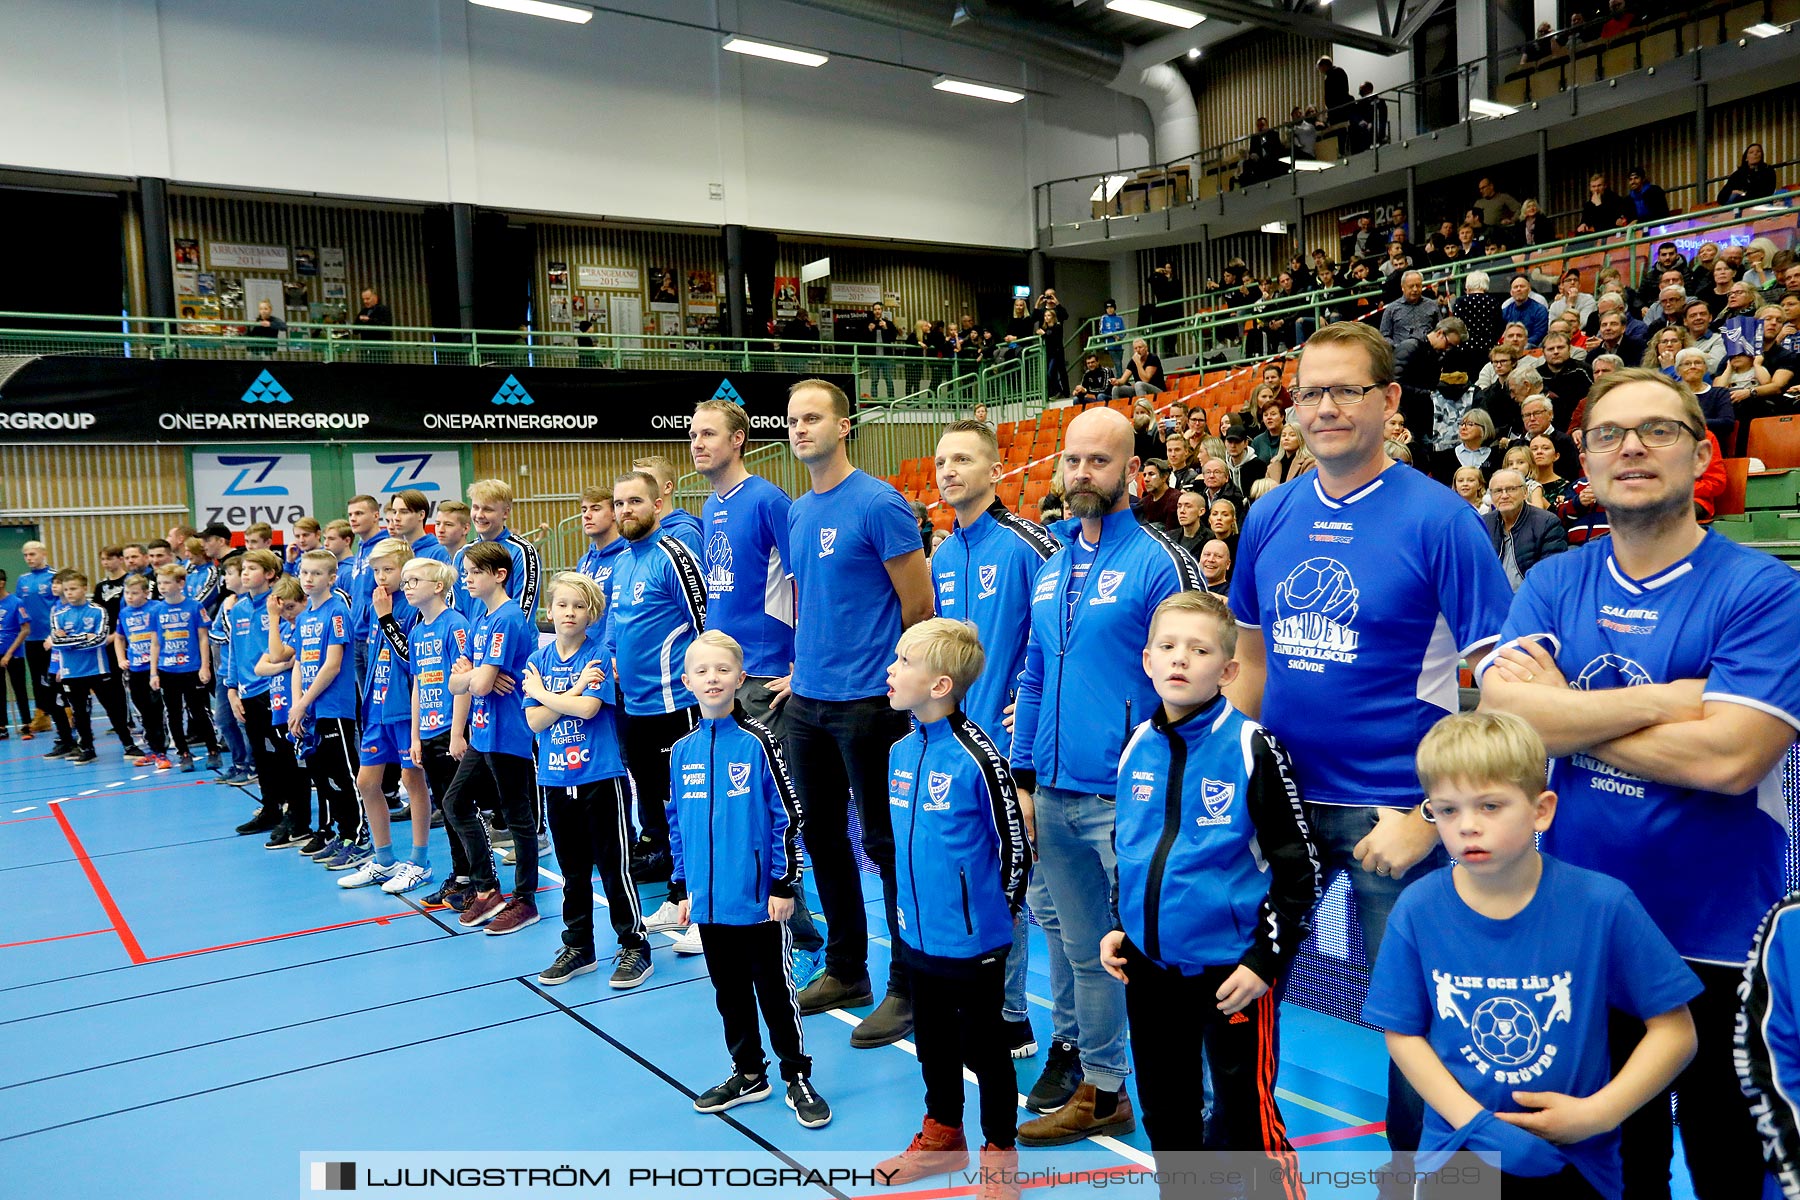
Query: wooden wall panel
x=1253 y=77
x=384 y=246
x=84 y=497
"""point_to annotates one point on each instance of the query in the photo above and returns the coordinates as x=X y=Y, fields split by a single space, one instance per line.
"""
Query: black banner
x=138 y=400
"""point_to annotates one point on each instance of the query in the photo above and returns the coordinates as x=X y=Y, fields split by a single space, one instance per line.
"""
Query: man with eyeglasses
x=1523 y=536
x=1357 y=591
x=1661 y=670
x=1539 y=417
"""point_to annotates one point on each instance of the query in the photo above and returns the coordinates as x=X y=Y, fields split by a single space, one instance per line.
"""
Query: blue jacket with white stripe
x=960 y=856
x=734 y=824
x=658 y=605
x=1081 y=692
x=983 y=574
x=1217 y=865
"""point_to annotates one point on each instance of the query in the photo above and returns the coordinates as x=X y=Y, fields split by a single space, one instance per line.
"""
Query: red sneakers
x=935 y=1150
x=483 y=907
x=516 y=915
x=999 y=1173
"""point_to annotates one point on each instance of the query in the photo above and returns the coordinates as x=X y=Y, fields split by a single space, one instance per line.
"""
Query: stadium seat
x=1042 y=470
x=1737 y=479
x=1776 y=440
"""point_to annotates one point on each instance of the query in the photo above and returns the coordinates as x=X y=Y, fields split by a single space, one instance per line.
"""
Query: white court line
x=120 y=782
x=89 y=792
x=27 y=808
x=135 y=778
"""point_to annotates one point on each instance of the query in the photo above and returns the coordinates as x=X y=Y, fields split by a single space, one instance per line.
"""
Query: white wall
x=435 y=101
x=1383 y=70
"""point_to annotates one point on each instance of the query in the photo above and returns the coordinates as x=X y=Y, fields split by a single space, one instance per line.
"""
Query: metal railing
x=1195 y=333
x=1421 y=106
x=887 y=372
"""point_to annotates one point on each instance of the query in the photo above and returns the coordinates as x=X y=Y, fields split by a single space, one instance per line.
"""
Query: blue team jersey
x=12 y=622
x=749 y=592
x=179 y=628
x=33 y=591
x=362 y=584
x=1367 y=603
x=984 y=575
x=432 y=648
x=317 y=629
x=598 y=563
x=81 y=637
x=138 y=627
x=658 y=606
x=504 y=638
x=573 y=751
x=685 y=528
x=847 y=615
x=281 y=687
x=343 y=584
x=1706 y=866
x=1521 y=1004
x=249 y=642
x=387 y=688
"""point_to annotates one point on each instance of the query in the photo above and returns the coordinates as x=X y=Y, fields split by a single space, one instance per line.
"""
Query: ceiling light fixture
x=1275 y=227
x=1488 y=108
x=575 y=14
x=981 y=91
x=1763 y=29
x=786 y=54
x=1309 y=164
x=1156 y=10
x=1193 y=52
x=1108 y=187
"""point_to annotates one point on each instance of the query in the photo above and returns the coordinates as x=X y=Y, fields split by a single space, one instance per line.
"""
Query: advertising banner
x=126 y=401
x=435 y=471
x=243 y=488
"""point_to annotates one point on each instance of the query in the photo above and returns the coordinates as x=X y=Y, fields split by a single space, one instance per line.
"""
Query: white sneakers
x=665 y=919
x=369 y=873
x=689 y=941
x=407 y=876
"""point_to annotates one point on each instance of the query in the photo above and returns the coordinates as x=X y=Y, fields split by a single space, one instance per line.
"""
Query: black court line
x=225 y=1087
x=430 y=914
x=237 y=1037
x=673 y=1082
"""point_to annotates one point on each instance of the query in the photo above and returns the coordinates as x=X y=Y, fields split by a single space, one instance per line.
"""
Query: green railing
x=1196 y=333
x=895 y=371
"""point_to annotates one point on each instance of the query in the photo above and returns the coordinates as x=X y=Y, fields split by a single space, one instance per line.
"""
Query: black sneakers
x=81 y=756
x=266 y=818
x=634 y=966
x=739 y=1089
x=1062 y=1075
x=60 y=749
x=809 y=1107
x=1020 y=1040
x=570 y=963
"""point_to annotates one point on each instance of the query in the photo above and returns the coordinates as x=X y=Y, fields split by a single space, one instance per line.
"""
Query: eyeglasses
x=1503 y=491
x=1340 y=393
x=1655 y=434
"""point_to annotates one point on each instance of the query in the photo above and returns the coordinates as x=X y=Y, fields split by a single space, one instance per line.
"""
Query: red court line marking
x=277 y=937
x=61 y=937
x=1338 y=1135
x=126 y=938
x=22 y=820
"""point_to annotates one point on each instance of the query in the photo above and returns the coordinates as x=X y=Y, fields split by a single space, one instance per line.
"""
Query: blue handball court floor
x=184 y=1014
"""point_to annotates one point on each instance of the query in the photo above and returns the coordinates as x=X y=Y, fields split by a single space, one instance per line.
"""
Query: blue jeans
x=1013 y=1007
x=1078 y=870
x=231 y=734
x=1336 y=830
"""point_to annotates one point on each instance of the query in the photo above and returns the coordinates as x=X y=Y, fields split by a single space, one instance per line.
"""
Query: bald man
x=1080 y=696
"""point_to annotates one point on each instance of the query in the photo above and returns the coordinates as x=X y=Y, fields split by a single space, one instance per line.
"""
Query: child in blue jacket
x=734 y=842
x=960 y=863
x=1217 y=873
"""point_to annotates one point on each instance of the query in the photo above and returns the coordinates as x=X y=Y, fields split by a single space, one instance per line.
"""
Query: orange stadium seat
x=1776 y=440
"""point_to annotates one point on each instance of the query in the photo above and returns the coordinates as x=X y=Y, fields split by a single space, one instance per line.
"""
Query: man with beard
x=1661 y=670
x=1078 y=701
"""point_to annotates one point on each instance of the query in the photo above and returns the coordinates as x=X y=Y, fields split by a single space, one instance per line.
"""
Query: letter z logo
x=395 y=483
x=249 y=463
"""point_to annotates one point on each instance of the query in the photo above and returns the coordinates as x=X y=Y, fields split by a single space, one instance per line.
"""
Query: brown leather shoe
x=1076 y=1120
x=935 y=1150
x=999 y=1173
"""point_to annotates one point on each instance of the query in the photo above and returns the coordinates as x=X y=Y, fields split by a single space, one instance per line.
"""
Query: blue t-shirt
x=33 y=591
x=82 y=639
x=432 y=648
x=573 y=751
x=847 y=617
x=1366 y=603
x=180 y=626
x=749 y=593
x=12 y=622
x=281 y=686
x=1706 y=866
x=1521 y=1004
x=598 y=564
x=387 y=692
x=138 y=627
x=318 y=628
x=249 y=642
x=504 y=638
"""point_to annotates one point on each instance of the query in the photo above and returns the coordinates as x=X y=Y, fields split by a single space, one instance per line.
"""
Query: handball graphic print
x=1315 y=612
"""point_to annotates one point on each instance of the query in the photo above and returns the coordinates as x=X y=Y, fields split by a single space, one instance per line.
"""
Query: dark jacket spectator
x=1337 y=91
x=1752 y=179
x=1536 y=535
x=1645 y=200
x=1533 y=228
x=373 y=318
x=1479 y=309
x=1602 y=209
